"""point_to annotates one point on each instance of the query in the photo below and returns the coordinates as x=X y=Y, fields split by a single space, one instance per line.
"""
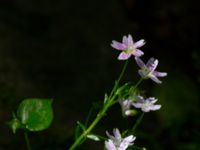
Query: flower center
x=129 y=50
x=145 y=72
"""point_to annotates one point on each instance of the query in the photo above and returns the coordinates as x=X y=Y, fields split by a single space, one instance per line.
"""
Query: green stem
x=27 y=140
x=138 y=83
x=108 y=104
x=132 y=90
x=119 y=79
x=93 y=124
x=137 y=122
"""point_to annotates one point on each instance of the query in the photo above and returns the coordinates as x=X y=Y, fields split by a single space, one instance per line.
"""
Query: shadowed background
x=61 y=50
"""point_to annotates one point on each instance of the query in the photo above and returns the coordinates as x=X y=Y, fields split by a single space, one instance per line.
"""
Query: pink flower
x=116 y=142
x=146 y=105
x=148 y=70
x=128 y=47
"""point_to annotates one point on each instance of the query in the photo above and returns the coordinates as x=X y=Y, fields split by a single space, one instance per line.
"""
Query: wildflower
x=128 y=47
x=126 y=107
x=116 y=142
x=146 y=105
x=148 y=70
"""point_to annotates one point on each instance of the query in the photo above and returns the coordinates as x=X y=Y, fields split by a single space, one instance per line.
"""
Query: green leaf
x=93 y=137
x=79 y=129
x=35 y=114
x=123 y=91
x=15 y=124
x=105 y=98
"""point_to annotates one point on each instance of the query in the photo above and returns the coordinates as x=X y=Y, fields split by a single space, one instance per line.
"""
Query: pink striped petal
x=155 y=79
x=152 y=64
x=155 y=107
x=118 y=45
x=159 y=74
x=139 y=62
x=123 y=56
x=139 y=43
x=130 y=41
x=138 y=53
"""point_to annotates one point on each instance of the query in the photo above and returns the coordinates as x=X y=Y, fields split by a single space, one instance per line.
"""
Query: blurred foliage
x=61 y=49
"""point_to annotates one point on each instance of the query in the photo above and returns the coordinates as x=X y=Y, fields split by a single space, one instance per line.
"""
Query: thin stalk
x=92 y=125
x=132 y=90
x=119 y=79
x=137 y=122
x=27 y=140
x=109 y=103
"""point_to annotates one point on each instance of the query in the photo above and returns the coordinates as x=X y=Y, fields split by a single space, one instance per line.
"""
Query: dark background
x=60 y=49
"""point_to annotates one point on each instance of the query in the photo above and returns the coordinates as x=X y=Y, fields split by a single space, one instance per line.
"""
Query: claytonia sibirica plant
x=36 y=114
x=116 y=142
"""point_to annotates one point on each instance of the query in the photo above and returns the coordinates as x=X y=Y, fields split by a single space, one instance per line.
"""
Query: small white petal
x=145 y=109
x=160 y=74
x=155 y=79
x=110 y=136
x=129 y=139
x=137 y=105
x=110 y=145
x=155 y=107
x=117 y=134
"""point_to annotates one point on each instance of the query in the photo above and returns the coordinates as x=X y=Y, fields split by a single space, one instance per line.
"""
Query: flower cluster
x=130 y=48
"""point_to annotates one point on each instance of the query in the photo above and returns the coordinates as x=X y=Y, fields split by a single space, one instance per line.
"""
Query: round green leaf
x=35 y=114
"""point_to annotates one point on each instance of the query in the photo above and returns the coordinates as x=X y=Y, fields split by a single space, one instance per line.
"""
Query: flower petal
x=125 y=40
x=117 y=134
x=138 y=53
x=140 y=99
x=110 y=136
x=155 y=79
x=139 y=43
x=126 y=142
x=152 y=100
x=139 y=62
x=155 y=107
x=130 y=41
x=160 y=74
x=152 y=64
x=118 y=45
x=146 y=109
x=137 y=105
x=110 y=145
x=123 y=56
x=129 y=139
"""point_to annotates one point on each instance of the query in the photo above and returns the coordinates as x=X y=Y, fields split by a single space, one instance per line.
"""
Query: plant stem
x=137 y=122
x=93 y=124
x=119 y=79
x=101 y=113
x=132 y=90
x=138 y=83
x=27 y=140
